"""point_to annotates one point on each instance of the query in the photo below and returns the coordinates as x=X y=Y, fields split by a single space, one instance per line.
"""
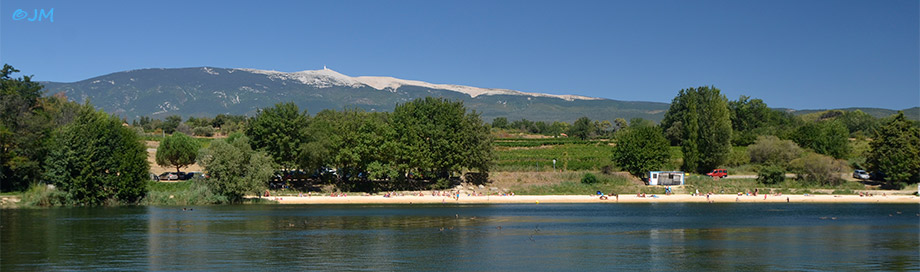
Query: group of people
x=605 y=197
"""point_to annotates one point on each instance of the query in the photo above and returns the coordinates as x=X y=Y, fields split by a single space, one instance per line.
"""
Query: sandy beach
x=537 y=199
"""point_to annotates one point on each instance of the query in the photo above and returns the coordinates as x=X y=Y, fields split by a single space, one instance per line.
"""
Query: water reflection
x=469 y=237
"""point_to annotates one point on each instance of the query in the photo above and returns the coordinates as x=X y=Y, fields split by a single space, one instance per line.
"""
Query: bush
x=607 y=169
x=192 y=192
x=203 y=131
x=235 y=169
x=589 y=178
x=738 y=157
x=771 y=174
x=819 y=168
x=772 y=150
x=42 y=195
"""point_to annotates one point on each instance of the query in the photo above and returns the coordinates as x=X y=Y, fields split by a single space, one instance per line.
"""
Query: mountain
x=208 y=91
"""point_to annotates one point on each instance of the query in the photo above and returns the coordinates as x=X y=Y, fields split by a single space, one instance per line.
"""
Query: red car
x=718 y=173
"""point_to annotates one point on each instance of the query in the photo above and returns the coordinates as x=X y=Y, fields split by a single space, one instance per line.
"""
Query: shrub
x=772 y=150
x=43 y=195
x=607 y=169
x=589 y=178
x=771 y=174
x=203 y=131
x=235 y=169
x=738 y=157
x=818 y=168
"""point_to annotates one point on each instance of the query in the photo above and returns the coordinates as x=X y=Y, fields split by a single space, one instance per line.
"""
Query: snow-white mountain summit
x=328 y=78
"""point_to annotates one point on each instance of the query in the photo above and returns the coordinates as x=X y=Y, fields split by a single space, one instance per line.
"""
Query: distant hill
x=208 y=91
x=910 y=113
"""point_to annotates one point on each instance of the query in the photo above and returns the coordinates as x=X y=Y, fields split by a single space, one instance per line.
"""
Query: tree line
x=706 y=125
x=197 y=126
x=96 y=158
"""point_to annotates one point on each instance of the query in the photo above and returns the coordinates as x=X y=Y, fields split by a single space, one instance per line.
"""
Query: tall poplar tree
x=700 y=120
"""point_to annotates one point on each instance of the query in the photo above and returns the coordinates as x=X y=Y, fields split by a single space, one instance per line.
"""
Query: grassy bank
x=569 y=183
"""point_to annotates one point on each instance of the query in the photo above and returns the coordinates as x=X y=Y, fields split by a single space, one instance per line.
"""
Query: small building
x=665 y=178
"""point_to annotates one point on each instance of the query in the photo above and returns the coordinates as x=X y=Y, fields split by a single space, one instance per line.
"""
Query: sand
x=534 y=199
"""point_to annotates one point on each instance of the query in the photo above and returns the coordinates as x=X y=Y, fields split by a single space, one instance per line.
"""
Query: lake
x=516 y=237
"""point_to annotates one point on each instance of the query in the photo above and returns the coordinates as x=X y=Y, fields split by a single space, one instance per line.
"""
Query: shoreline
x=537 y=199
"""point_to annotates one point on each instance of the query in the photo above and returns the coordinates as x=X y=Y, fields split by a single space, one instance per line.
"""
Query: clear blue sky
x=796 y=54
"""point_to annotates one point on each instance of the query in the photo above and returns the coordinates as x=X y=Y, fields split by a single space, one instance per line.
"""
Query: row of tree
x=705 y=125
x=96 y=159
x=198 y=126
x=429 y=138
x=583 y=128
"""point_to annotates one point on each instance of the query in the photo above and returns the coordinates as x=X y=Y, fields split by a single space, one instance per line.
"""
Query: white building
x=666 y=178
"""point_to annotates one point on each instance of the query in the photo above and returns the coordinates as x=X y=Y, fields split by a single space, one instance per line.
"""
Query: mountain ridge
x=208 y=91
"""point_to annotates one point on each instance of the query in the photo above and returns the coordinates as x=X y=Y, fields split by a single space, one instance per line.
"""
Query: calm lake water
x=576 y=237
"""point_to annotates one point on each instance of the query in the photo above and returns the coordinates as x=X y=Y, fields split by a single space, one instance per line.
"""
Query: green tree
x=22 y=130
x=641 y=149
x=700 y=118
x=500 y=122
x=639 y=122
x=523 y=125
x=824 y=137
x=171 y=124
x=749 y=118
x=859 y=123
x=438 y=137
x=360 y=145
x=620 y=124
x=582 y=128
x=895 y=151
x=98 y=161
x=177 y=150
x=235 y=168
x=279 y=132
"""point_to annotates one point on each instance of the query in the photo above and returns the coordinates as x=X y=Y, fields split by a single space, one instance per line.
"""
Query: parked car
x=169 y=176
x=860 y=174
x=718 y=173
x=193 y=175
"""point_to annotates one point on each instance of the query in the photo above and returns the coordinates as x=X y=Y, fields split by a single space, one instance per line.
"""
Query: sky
x=811 y=54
